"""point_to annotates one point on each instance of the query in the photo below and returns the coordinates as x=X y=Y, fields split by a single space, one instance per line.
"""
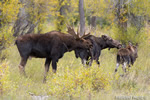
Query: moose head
x=111 y=43
x=80 y=41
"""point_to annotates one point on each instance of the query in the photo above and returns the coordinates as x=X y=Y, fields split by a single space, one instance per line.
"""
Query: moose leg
x=118 y=60
x=97 y=61
x=91 y=61
x=97 y=58
x=132 y=60
x=84 y=62
x=22 y=66
x=117 y=66
x=124 y=66
x=129 y=61
x=47 y=63
x=92 y=57
x=54 y=65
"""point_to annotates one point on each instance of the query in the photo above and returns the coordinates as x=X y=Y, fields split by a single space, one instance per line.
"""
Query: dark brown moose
x=51 y=45
x=126 y=56
x=99 y=43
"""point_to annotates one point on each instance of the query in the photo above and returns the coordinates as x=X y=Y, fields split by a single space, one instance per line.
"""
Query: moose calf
x=126 y=56
x=51 y=46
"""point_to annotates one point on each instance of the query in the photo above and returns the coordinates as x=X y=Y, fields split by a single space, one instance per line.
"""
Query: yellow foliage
x=74 y=81
x=6 y=39
x=97 y=7
x=6 y=36
x=130 y=35
x=5 y=83
x=140 y=7
x=10 y=9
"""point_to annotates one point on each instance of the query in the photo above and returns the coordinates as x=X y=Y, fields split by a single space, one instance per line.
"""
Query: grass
x=73 y=81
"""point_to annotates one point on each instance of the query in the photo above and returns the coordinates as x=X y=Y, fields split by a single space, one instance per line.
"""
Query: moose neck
x=70 y=43
x=102 y=43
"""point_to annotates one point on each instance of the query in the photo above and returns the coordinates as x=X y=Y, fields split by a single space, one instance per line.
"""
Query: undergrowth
x=72 y=80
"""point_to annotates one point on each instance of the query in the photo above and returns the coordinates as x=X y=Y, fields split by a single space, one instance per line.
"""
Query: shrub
x=6 y=39
x=4 y=74
x=6 y=85
x=74 y=81
x=132 y=34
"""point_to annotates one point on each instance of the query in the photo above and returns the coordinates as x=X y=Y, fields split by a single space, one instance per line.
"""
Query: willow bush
x=132 y=34
x=5 y=83
x=74 y=81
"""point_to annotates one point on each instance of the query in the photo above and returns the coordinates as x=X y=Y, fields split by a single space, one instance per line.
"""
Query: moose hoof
x=54 y=70
x=115 y=70
x=129 y=66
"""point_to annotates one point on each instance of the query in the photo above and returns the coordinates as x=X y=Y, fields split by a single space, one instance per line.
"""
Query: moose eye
x=81 y=40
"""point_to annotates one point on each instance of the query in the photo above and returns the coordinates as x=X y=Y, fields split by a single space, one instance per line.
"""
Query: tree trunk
x=0 y=19
x=120 y=15
x=93 y=21
x=82 y=18
x=22 y=24
x=61 y=19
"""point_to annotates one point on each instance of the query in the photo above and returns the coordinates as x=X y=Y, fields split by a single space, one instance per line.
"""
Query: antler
x=77 y=35
x=72 y=31
x=86 y=33
x=78 y=31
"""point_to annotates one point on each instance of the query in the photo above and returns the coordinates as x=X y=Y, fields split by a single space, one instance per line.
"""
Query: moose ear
x=130 y=43
x=136 y=44
x=104 y=37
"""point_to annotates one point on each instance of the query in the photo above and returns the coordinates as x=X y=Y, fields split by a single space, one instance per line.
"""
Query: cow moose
x=51 y=45
x=99 y=43
x=126 y=56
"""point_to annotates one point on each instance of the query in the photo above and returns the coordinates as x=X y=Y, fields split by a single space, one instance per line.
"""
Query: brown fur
x=51 y=45
x=126 y=55
x=99 y=43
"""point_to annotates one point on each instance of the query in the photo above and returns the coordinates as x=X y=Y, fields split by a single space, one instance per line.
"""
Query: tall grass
x=73 y=81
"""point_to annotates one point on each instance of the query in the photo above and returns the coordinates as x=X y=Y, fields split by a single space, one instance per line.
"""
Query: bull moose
x=126 y=56
x=51 y=45
x=99 y=43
